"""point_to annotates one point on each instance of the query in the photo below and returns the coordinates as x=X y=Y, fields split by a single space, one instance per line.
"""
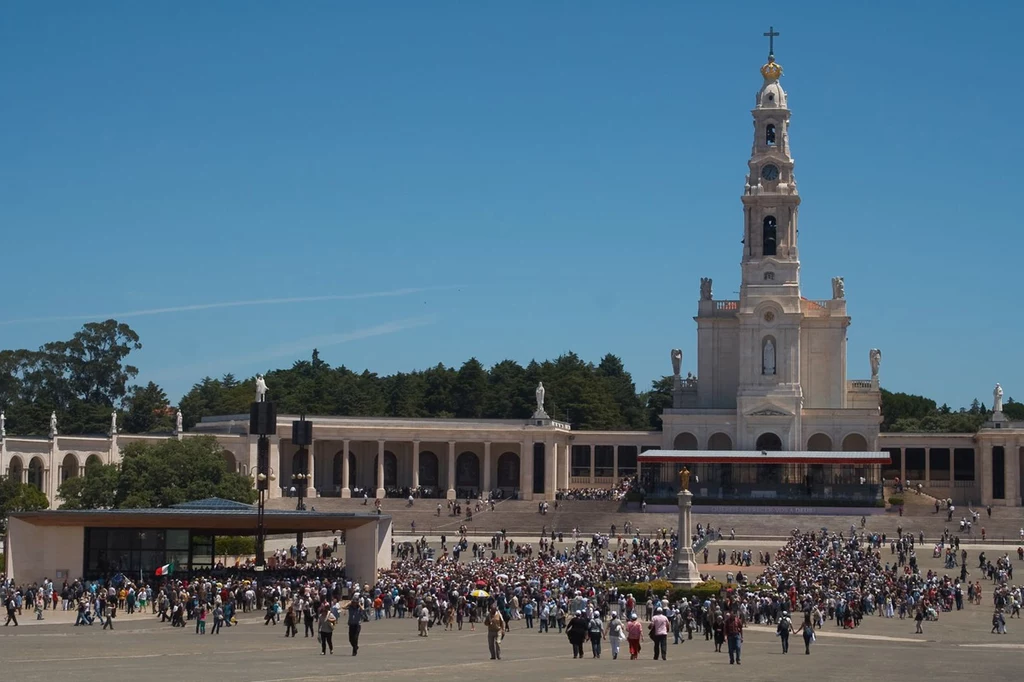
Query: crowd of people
x=575 y=588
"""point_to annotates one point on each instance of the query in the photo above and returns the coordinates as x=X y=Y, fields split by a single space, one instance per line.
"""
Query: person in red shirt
x=734 y=636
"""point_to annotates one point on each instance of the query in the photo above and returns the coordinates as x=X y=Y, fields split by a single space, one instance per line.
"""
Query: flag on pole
x=166 y=569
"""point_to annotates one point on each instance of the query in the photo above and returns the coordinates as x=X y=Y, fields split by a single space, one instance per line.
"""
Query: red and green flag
x=166 y=569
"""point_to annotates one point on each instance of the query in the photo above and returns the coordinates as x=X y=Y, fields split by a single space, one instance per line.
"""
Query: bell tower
x=769 y=398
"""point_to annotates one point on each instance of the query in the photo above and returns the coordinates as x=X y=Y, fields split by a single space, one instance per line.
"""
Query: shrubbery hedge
x=711 y=588
x=896 y=500
x=235 y=545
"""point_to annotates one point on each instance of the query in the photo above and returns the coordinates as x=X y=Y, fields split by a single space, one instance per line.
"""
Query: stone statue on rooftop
x=705 y=288
x=997 y=399
x=876 y=360
x=53 y=425
x=677 y=361
x=261 y=389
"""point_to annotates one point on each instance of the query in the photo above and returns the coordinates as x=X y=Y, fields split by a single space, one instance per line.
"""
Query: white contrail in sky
x=227 y=304
x=297 y=347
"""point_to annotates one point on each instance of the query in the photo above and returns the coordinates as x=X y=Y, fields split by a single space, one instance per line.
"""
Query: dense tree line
x=601 y=396
x=85 y=378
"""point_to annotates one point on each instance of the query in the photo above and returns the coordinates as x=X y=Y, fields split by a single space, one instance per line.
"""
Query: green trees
x=16 y=496
x=905 y=412
x=82 y=379
x=158 y=474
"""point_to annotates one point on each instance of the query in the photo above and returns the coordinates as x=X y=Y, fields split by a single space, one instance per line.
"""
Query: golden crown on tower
x=772 y=70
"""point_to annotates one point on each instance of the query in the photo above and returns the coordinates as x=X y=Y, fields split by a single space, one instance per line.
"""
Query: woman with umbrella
x=480 y=595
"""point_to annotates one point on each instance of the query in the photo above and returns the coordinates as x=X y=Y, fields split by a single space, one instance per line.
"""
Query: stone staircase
x=518 y=517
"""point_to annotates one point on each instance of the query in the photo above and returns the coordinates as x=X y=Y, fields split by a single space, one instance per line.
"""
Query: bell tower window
x=769 y=135
x=768 y=235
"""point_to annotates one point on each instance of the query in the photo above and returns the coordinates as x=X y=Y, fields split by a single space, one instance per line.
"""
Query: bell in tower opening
x=768 y=236
x=769 y=135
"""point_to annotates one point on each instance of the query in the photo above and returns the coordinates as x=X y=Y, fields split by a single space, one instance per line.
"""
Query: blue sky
x=509 y=180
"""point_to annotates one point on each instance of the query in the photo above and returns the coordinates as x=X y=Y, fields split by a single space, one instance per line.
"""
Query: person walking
x=495 y=632
x=734 y=636
x=784 y=629
x=326 y=623
x=355 y=622
x=918 y=619
x=634 y=635
x=616 y=633
x=12 y=608
x=308 y=618
x=218 y=619
x=576 y=631
x=807 y=630
x=289 y=621
x=595 y=631
x=659 y=633
x=111 y=614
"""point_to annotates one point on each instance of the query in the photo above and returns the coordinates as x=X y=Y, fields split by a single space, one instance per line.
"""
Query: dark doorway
x=538 y=468
x=769 y=442
x=998 y=473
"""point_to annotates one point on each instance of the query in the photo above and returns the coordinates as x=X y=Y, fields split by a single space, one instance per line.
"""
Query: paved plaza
x=140 y=647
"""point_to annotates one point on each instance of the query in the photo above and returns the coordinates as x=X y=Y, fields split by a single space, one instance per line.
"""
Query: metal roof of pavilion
x=210 y=503
x=224 y=520
x=761 y=457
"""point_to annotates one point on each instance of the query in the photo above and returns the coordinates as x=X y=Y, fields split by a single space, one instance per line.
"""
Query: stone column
x=311 y=481
x=380 y=493
x=1011 y=474
x=903 y=466
x=550 y=469
x=525 y=467
x=415 y=464
x=486 y=485
x=346 y=492
x=451 y=470
x=592 y=464
x=615 y=466
x=274 y=489
x=928 y=466
x=684 y=571
x=985 y=463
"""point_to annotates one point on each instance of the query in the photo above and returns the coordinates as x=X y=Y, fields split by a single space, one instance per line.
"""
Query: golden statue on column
x=684 y=479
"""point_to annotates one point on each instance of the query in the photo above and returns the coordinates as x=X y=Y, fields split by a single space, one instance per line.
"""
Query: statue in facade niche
x=838 y=287
x=677 y=361
x=768 y=359
x=705 y=288
x=261 y=389
x=997 y=399
x=876 y=360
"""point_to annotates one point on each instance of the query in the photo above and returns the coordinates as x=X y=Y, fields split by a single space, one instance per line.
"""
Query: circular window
x=769 y=316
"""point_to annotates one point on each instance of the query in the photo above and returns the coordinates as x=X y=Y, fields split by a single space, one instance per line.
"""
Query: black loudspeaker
x=263 y=419
x=263 y=463
x=302 y=433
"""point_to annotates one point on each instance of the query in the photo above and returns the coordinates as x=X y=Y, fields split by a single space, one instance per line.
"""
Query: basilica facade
x=771 y=382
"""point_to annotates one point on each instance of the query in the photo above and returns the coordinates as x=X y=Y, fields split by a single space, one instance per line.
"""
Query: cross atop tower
x=771 y=35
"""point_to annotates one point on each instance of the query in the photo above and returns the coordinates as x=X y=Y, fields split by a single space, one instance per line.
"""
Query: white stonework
x=772 y=363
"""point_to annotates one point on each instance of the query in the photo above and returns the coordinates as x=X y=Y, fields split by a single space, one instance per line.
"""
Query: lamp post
x=299 y=490
x=262 y=423
x=302 y=437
